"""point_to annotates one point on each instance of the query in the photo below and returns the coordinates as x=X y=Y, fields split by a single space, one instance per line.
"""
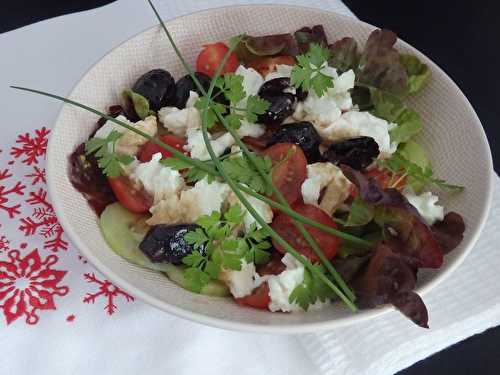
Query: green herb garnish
x=307 y=73
x=107 y=159
x=311 y=290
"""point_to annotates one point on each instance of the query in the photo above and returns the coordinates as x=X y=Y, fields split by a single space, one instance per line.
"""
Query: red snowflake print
x=4 y=244
x=31 y=147
x=29 y=284
x=106 y=290
x=6 y=193
x=38 y=175
x=44 y=222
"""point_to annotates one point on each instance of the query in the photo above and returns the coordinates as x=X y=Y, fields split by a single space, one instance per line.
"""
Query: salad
x=282 y=173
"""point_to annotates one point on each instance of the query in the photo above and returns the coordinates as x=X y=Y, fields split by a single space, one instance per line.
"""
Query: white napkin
x=128 y=337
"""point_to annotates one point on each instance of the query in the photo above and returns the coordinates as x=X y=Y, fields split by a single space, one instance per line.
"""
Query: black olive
x=184 y=85
x=277 y=86
x=166 y=243
x=280 y=107
x=157 y=86
x=358 y=153
x=302 y=134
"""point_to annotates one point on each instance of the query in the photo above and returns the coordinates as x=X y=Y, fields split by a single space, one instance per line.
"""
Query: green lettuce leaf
x=345 y=54
x=418 y=73
x=139 y=102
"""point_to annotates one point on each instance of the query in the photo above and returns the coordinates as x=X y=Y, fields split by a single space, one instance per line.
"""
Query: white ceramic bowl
x=453 y=136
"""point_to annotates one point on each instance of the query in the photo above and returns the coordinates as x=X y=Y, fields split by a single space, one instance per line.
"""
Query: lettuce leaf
x=308 y=35
x=252 y=47
x=418 y=73
x=345 y=54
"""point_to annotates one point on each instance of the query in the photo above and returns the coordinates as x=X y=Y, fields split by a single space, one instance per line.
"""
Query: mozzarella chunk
x=178 y=121
x=282 y=71
x=196 y=146
x=282 y=285
x=324 y=110
x=262 y=208
x=353 y=124
x=130 y=142
x=248 y=129
x=426 y=205
x=241 y=283
x=252 y=80
x=329 y=176
x=159 y=181
x=202 y=199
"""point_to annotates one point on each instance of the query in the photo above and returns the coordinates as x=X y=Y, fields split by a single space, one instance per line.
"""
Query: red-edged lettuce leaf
x=307 y=35
x=406 y=230
x=380 y=65
x=418 y=73
x=388 y=278
x=253 y=47
x=449 y=232
x=345 y=54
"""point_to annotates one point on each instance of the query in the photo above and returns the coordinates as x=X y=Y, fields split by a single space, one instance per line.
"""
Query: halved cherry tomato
x=267 y=65
x=135 y=200
x=289 y=169
x=259 y=298
x=284 y=226
x=211 y=57
x=149 y=149
x=384 y=179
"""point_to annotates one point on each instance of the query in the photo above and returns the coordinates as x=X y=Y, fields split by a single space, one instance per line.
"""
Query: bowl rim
x=360 y=316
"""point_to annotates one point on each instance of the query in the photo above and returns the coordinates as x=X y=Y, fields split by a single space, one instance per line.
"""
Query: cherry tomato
x=284 y=226
x=211 y=57
x=289 y=171
x=267 y=65
x=134 y=200
x=149 y=149
x=259 y=298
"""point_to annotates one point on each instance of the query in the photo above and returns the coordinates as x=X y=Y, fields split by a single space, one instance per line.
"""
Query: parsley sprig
x=311 y=290
x=424 y=176
x=218 y=245
x=231 y=87
x=107 y=159
x=308 y=71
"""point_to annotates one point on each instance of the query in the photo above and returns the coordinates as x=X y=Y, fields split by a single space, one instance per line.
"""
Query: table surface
x=470 y=59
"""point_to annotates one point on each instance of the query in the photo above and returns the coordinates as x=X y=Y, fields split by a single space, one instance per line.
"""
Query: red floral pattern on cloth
x=106 y=290
x=33 y=282
x=29 y=284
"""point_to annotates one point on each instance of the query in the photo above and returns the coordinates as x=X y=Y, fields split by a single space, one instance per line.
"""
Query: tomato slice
x=149 y=149
x=211 y=57
x=134 y=200
x=267 y=65
x=284 y=226
x=259 y=298
x=289 y=169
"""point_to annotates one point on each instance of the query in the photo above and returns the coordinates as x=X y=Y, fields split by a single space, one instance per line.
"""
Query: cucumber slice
x=115 y=224
x=213 y=288
x=415 y=153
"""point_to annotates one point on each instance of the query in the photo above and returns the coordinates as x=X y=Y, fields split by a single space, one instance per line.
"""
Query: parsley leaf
x=107 y=159
x=224 y=247
x=212 y=109
x=240 y=169
x=425 y=176
x=307 y=73
x=310 y=290
x=255 y=106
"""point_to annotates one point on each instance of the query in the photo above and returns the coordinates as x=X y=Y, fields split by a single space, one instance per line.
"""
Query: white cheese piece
x=159 y=181
x=248 y=129
x=130 y=142
x=262 y=208
x=319 y=176
x=324 y=110
x=241 y=283
x=282 y=71
x=203 y=199
x=196 y=146
x=426 y=205
x=252 y=80
x=178 y=120
x=193 y=97
x=353 y=124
